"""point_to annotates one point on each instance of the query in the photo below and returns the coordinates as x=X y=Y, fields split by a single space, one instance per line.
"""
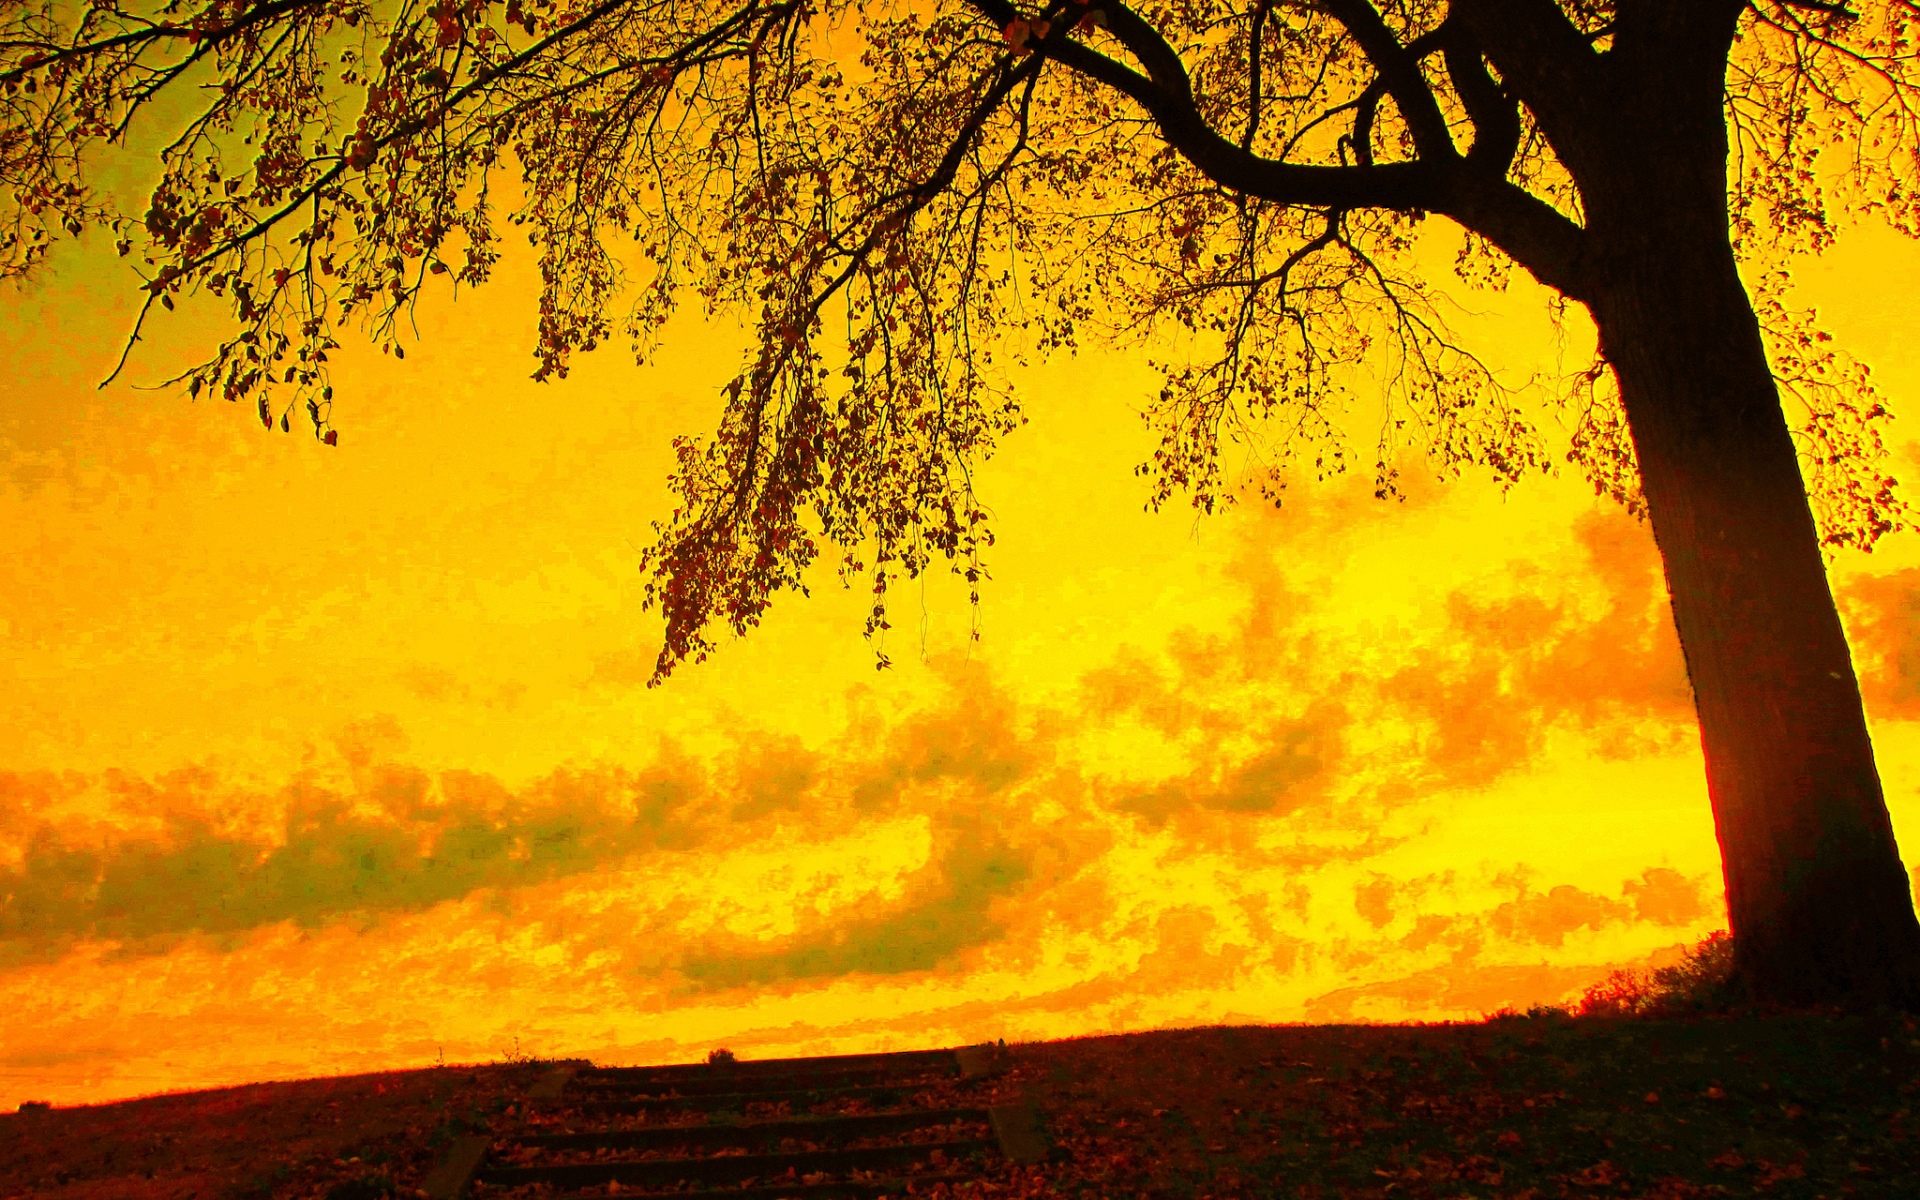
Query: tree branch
x=203 y=39
x=1399 y=69
x=1144 y=42
x=1254 y=38
x=1402 y=186
x=1545 y=63
x=1496 y=120
x=1524 y=227
x=267 y=222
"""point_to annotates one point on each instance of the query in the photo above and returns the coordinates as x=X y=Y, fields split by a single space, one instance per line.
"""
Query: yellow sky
x=319 y=760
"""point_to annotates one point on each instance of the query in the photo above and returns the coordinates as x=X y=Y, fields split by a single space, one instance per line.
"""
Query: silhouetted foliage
x=894 y=193
x=1701 y=982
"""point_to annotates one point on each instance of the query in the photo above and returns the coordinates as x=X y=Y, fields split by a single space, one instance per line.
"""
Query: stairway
x=851 y=1125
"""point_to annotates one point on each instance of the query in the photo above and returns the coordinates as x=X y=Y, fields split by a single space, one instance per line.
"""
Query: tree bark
x=1818 y=899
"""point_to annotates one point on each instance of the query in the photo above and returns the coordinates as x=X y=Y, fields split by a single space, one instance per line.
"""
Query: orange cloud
x=399 y=842
x=1264 y=723
x=1883 y=628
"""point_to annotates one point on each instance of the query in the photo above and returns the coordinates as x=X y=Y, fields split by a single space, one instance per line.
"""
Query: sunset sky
x=319 y=760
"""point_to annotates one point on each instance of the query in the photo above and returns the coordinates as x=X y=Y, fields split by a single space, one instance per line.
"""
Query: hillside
x=1784 y=1106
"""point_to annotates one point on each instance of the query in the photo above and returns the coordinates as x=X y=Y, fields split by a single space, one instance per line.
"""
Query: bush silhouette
x=1701 y=982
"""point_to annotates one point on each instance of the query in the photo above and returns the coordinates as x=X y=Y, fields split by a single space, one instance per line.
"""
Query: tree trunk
x=1819 y=902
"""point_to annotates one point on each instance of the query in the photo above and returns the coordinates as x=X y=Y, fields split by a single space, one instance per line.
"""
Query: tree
x=896 y=193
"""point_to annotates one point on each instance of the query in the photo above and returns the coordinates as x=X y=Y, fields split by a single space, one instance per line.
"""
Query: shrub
x=720 y=1057
x=1534 y=1012
x=1700 y=982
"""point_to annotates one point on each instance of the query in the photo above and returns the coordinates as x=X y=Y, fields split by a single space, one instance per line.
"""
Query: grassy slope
x=1791 y=1106
x=262 y=1140
x=1544 y=1107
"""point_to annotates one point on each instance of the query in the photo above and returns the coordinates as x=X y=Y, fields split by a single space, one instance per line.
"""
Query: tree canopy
x=902 y=197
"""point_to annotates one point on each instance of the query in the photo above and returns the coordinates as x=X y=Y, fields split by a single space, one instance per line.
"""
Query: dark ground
x=1513 y=1109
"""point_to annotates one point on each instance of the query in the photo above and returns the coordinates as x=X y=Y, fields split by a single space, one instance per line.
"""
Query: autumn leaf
x=1600 y=1174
